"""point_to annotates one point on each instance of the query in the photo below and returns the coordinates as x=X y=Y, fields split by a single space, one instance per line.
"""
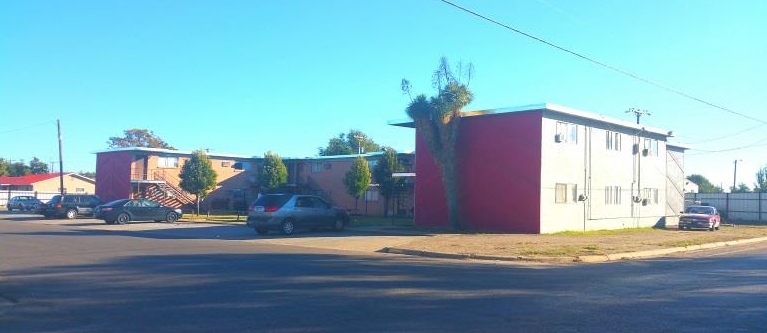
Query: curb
x=443 y=255
x=582 y=259
x=655 y=253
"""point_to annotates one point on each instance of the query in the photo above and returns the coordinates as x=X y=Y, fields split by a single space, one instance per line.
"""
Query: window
x=371 y=196
x=167 y=162
x=567 y=132
x=564 y=193
x=650 y=195
x=612 y=195
x=317 y=167
x=650 y=147
x=613 y=141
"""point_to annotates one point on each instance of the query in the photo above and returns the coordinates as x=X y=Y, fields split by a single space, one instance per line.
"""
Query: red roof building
x=48 y=182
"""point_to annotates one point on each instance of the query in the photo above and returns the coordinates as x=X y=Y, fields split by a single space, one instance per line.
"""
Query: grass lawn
x=356 y=220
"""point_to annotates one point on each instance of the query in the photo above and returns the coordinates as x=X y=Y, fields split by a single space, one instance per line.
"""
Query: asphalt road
x=79 y=277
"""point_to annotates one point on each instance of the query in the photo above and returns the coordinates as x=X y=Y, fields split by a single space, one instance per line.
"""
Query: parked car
x=700 y=217
x=23 y=202
x=122 y=211
x=288 y=212
x=69 y=205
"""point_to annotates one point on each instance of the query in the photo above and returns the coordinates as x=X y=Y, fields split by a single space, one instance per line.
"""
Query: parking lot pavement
x=355 y=240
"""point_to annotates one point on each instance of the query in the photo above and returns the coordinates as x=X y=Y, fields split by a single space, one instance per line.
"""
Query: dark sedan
x=123 y=211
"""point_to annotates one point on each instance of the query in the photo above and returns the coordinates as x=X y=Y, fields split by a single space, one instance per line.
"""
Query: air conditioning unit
x=644 y=202
x=558 y=138
x=646 y=152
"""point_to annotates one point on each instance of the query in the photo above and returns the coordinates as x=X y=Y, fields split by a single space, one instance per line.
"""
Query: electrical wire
x=597 y=62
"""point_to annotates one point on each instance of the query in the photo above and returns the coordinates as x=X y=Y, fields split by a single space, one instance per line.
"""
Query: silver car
x=288 y=212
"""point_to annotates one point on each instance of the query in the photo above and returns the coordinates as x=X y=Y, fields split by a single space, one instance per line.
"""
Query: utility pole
x=735 y=175
x=61 y=163
x=638 y=112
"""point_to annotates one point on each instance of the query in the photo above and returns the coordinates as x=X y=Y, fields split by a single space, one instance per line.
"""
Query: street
x=77 y=276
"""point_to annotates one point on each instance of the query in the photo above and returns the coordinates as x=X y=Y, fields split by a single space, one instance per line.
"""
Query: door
x=325 y=214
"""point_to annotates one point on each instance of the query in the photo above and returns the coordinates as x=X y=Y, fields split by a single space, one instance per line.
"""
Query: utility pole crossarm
x=638 y=112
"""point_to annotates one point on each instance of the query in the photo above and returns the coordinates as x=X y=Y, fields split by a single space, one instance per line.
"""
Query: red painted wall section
x=499 y=160
x=500 y=157
x=430 y=203
x=113 y=172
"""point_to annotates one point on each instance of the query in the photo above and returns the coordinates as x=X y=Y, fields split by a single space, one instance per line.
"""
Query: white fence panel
x=43 y=196
x=735 y=207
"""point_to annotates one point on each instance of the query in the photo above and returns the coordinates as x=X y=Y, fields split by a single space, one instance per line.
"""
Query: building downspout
x=587 y=176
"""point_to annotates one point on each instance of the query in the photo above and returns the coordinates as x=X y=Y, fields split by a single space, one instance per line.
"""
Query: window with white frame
x=317 y=167
x=167 y=162
x=613 y=140
x=651 y=195
x=565 y=193
x=567 y=132
x=651 y=147
x=612 y=195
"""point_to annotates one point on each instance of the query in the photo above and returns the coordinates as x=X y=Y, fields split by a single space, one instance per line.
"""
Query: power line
x=727 y=136
x=594 y=61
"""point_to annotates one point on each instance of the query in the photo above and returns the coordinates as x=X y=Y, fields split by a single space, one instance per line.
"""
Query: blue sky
x=246 y=77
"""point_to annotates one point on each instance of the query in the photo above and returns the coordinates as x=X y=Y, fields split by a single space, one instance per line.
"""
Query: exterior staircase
x=166 y=193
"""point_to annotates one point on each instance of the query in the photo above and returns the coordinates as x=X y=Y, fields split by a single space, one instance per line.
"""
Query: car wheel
x=71 y=214
x=339 y=224
x=287 y=227
x=171 y=217
x=123 y=218
x=262 y=231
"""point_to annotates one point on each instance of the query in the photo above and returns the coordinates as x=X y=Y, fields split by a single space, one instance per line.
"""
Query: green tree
x=273 y=173
x=16 y=169
x=437 y=120
x=357 y=179
x=4 y=166
x=704 y=185
x=348 y=144
x=197 y=176
x=742 y=188
x=37 y=167
x=382 y=173
x=89 y=174
x=761 y=180
x=138 y=138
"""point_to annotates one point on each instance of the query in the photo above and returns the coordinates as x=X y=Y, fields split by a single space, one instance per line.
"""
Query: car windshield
x=700 y=210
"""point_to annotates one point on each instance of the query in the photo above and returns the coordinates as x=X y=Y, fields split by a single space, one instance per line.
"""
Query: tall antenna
x=638 y=112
